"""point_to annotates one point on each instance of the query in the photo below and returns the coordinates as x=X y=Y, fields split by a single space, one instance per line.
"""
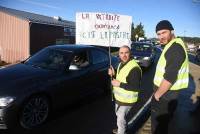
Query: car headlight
x=2 y=67
x=146 y=58
x=4 y=101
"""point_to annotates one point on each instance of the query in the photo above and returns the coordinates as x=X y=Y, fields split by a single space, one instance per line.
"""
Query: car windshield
x=50 y=59
x=141 y=47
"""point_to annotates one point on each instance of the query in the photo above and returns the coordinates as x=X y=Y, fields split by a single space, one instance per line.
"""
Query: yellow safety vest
x=122 y=95
x=183 y=73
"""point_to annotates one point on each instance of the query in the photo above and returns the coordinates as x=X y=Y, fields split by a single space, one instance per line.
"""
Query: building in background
x=23 y=33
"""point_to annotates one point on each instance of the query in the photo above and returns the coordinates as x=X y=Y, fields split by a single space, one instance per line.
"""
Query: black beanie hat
x=164 y=24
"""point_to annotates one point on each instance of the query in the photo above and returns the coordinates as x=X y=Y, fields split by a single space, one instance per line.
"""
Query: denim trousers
x=162 y=112
x=121 y=113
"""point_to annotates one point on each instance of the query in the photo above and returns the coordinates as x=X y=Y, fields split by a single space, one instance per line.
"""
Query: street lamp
x=136 y=37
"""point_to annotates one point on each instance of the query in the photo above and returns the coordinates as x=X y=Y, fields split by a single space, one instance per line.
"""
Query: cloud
x=40 y=4
x=196 y=1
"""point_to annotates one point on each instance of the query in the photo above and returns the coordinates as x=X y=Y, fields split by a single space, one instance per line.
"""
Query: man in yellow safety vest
x=125 y=87
x=172 y=75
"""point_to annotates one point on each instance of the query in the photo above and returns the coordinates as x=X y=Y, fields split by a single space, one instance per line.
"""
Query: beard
x=165 y=41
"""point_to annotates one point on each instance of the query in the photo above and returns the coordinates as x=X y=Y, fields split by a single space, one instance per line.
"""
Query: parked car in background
x=143 y=53
x=197 y=54
x=54 y=77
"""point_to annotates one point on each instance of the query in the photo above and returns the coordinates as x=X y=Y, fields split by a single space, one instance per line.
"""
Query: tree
x=138 y=31
x=192 y=40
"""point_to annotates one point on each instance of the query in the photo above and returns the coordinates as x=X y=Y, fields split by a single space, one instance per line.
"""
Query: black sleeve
x=133 y=80
x=175 y=56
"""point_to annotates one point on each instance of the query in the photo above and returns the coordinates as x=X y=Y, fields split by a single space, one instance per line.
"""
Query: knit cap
x=164 y=24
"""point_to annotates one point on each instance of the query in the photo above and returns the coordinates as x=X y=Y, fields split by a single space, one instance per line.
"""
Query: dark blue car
x=143 y=53
x=54 y=77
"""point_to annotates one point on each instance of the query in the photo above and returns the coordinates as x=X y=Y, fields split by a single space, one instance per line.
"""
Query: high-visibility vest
x=120 y=94
x=183 y=73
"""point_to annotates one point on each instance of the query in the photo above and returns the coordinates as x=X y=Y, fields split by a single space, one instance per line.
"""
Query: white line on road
x=140 y=111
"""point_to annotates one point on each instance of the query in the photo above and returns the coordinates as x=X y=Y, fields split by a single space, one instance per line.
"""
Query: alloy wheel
x=34 y=112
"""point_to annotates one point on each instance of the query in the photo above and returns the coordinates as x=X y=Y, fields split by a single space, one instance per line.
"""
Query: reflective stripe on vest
x=122 y=95
x=183 y=73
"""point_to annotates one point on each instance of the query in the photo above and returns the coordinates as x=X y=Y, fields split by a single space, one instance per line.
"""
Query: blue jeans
x=121 y=112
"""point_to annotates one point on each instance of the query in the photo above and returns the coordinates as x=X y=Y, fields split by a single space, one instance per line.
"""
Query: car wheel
x=34 y=112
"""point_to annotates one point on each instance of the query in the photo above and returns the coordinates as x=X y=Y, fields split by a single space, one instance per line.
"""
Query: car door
x=93 y=76
x=76 y=81
x=98 y=69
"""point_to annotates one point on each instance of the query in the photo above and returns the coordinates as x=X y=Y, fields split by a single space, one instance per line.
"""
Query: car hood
x=21 y=76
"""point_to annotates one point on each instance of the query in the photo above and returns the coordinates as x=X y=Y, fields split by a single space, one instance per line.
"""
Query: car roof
x=72 y=47
x=146 y=43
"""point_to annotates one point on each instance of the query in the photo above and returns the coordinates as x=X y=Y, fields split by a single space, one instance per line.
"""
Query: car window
x=142 y=47
x=79 y=60
x=50 y=59
x=99 y=57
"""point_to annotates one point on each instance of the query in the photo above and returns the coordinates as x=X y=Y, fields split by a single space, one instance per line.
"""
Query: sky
x=183 y=14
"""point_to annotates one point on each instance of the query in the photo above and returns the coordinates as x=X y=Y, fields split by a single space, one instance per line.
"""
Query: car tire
x=34 y=112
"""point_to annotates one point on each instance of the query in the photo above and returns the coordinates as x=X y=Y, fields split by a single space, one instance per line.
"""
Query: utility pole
x=184 y=37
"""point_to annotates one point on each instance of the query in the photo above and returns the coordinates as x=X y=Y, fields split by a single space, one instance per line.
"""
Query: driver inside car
x=79 y=61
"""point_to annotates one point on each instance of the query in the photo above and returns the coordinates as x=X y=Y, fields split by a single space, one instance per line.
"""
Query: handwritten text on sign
x=103 y=29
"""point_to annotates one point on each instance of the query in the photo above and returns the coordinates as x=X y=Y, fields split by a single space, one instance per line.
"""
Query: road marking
x=140 y=111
